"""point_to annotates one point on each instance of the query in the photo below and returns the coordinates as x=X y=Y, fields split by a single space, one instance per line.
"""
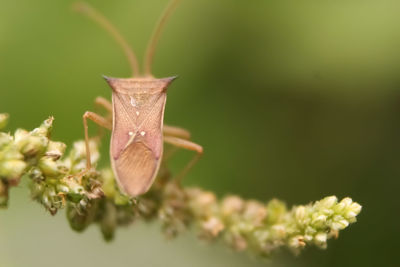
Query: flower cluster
x=59 y=180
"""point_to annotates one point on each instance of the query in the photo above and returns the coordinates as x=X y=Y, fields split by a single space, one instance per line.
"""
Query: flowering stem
x=95 y=199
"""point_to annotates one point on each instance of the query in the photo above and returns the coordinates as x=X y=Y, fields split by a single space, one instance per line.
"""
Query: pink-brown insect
x=137 y=108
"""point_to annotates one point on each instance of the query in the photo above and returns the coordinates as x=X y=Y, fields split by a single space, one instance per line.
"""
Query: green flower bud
x=108 y=184
x=5 y=139
x=355 y=207
x=318 y=220
x=352 y=211
x=328 y=202
x=55 y=150
x=44 y=129
x=300 y=214
x=49 y=167
x=339 y=223
x=12 y=169
x=276 y=211
x=310 y=231
x=75 y=191
x=30 y=145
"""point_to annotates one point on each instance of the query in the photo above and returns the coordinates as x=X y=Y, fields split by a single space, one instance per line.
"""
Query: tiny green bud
x=276 y=211
x=328 y=202
x=355 y=208
x=339 y=223
x=44 y=129
x=347 y=201
x=12 y=169
x=55 y=150
x=319 y=220
x=108 y=185
x=5 y=139
x=49 y=167
x=62 y=188
x=310 y=230
x=20 y=135
x=30 y=145
x=300 y=213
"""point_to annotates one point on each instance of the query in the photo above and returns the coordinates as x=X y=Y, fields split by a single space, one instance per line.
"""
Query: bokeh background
x=290 y=99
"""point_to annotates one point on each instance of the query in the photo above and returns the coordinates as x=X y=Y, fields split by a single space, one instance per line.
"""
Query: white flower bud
x=328 y=202
x=308 y=238
x=279 y=231
x=300 y=213
x=12 y=169
x=231 y=204
x=297 y=242
x=339 y=224
x=320 y=240
x=350 y=215
x=356 y=208
x=213 y=226
x=319 y=220
x=347 y=201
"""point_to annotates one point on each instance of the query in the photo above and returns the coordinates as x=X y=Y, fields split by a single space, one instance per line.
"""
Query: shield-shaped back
x=137 y=139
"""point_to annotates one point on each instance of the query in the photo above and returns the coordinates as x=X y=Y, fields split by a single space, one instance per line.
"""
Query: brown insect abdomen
x=136 y=169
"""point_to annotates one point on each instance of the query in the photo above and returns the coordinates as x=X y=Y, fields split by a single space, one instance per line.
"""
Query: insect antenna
x=156 y=35
x=90 y=12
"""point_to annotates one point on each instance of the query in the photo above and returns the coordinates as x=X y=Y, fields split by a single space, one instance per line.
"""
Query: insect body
x=137 y=108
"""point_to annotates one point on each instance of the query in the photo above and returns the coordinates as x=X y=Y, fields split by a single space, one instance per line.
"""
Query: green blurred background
x=290 y=99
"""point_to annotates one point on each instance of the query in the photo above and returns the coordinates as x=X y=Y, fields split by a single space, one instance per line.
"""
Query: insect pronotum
x=137 y=110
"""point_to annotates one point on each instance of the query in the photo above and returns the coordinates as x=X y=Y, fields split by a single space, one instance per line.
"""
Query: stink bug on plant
x=137 y=109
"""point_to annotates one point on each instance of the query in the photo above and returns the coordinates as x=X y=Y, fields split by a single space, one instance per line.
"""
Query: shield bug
x=137 y=109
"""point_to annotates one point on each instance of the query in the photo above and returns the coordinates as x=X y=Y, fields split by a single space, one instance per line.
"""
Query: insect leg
x=182 y=143
x=101 y=121
x=176 y=132
x=105 y=103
